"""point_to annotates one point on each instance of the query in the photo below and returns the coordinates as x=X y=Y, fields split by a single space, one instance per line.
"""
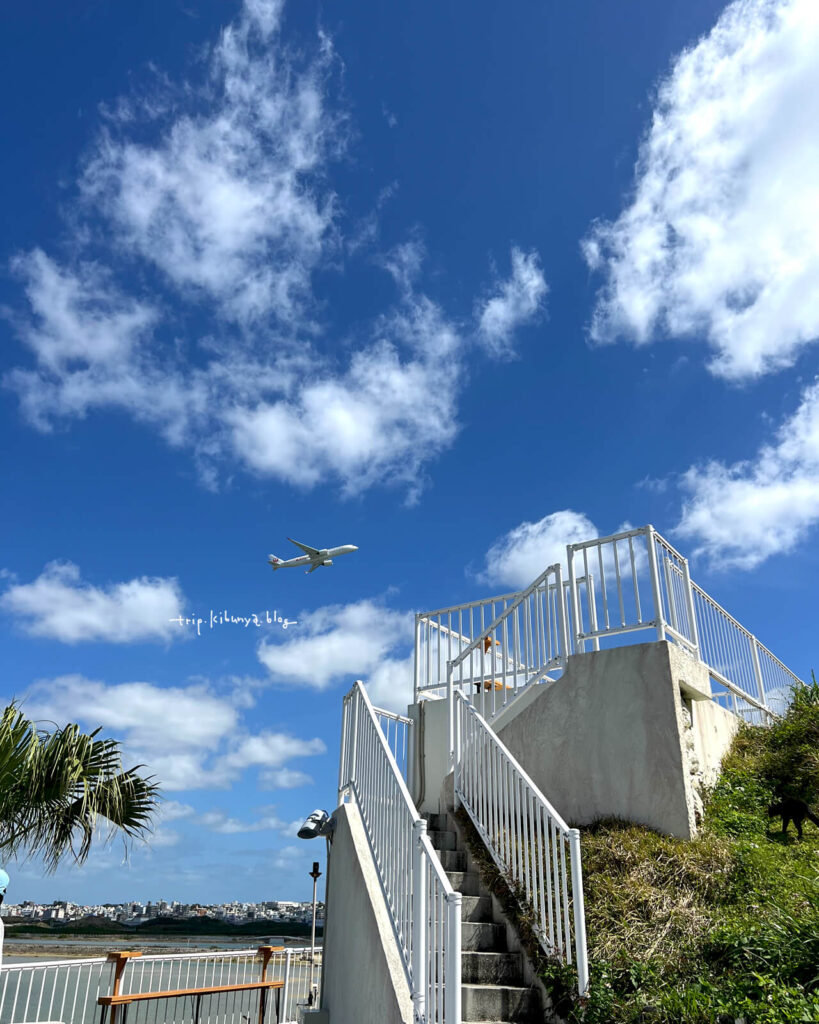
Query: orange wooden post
x=119 y=960
x=265 y=952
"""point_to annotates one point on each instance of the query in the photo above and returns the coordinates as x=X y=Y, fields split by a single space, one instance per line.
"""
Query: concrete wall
x=629 y=732
x=363 y=977
x=431 y=729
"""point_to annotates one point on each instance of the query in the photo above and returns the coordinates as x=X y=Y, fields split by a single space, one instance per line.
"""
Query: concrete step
x=467 y=882
x=443 y=840
x=483 y=936
x=498 y=1002
x=476 y=908
x=436 y=822
x=453 y=860
x=486 y=968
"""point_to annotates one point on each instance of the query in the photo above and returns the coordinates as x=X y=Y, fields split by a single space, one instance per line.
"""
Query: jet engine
x=327 y=561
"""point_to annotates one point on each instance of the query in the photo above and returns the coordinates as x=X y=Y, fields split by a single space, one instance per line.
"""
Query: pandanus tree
x=60 y=788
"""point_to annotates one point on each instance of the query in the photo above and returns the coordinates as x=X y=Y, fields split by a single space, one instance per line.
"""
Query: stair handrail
x=525 y=836
x=561 y=641
x=424 y=909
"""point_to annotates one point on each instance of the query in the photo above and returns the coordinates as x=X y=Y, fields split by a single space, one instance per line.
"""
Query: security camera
x=318 y=824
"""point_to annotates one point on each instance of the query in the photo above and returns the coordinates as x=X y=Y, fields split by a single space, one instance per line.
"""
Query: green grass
x=720 y=928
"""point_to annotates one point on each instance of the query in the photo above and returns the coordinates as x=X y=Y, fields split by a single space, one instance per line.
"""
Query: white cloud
x=285 y=778
x=378 y=421
x=741 y=514
x=214 y=195
x=188 y=737
x=516 y=558
x=219 y=821
x=271 y=750
x=341 y=643
x=719 y=240
x=229 y=200
x=58 y=604
x=516 y=301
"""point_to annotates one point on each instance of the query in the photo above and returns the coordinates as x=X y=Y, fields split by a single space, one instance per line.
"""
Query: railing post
x=285 y=988
x=758 y=676
x=562 y=629
x=417 y=666
x=456 y=764
x=692 y=618
x=579 y=913
x=356 y=701
x=265 y=952
x=342 y=757
x=575 y=603
x=452 y=967
x=450 y=696
x=420 y=914
x=119 y=960
x=656 y=590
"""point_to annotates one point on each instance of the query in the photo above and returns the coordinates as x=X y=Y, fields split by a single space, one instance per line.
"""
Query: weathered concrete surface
x=609 y=737
x=629 y=732
x=431 y=730
x=363 y=978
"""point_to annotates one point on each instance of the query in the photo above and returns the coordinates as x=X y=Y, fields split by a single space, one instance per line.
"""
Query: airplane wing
x=305 y=547
x=313 y=568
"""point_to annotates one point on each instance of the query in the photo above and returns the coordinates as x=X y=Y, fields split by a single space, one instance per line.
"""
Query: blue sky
x=457 y=283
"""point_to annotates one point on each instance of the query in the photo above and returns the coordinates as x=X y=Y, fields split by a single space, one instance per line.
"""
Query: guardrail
x=397 y=731
x=424 y=909
x=618 y=586
x=526 y=837
x=69 y=990
x=524 y=642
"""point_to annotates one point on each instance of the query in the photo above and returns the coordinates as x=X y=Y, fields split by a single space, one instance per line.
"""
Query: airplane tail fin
x=274 y=562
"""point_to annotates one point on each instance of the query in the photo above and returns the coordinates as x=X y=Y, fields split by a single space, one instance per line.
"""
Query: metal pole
x=418 y=958
x=315 y=874
x=450 y=696
x=574 y=604
x=692 y=615
x=656 y=591
x=580 y=947
x=417 y=667
x=452 y=968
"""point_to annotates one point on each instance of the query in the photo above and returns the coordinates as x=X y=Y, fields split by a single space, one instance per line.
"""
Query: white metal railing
x=618 y=586
x=524 y=642
x=68 y=990
x=537 y=852
x=424 y=909
x=397 y=731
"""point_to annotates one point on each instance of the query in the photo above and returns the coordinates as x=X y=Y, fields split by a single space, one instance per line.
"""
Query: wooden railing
x=119 y=1002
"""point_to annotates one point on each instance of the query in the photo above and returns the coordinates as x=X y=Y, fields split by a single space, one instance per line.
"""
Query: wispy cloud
x=719 y=240
x=229 y=200
x=209 y=202
x=60 y=605
x=742 y=514
x=189 y=737
x=340 y=643
x=514 y=302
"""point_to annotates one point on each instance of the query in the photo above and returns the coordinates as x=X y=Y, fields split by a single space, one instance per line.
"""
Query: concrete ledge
x=363 y=978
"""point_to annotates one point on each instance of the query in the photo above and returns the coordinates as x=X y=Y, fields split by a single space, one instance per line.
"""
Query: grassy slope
x=727 y=924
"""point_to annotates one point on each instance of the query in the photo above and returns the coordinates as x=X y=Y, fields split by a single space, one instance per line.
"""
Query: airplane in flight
x=314 y=557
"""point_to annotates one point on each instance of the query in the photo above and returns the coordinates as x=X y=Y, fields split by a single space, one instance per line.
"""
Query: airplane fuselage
x=321 y=557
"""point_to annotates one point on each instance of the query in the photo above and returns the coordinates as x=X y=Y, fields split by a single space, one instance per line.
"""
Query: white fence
x=513 y=641
x=397 y=731
x=68 y=990
x=424 y=909
x=537 y=852
x=618 y=587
